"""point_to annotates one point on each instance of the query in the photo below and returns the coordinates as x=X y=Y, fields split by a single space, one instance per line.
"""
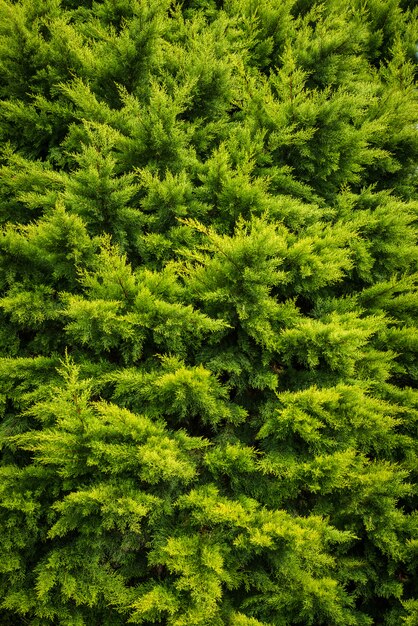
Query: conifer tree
x=208 y=303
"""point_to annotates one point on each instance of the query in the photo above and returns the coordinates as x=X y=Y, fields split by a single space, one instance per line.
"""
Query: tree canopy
x=208 y=303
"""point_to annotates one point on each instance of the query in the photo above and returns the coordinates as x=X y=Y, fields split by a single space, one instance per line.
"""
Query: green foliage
x=208 y=305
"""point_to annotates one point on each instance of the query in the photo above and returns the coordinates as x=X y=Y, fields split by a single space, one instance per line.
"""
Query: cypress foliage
x=208 y=301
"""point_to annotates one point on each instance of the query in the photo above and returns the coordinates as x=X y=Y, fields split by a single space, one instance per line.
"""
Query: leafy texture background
x=208 y=301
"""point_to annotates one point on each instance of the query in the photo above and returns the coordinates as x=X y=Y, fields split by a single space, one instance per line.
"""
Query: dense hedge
x=208 y=282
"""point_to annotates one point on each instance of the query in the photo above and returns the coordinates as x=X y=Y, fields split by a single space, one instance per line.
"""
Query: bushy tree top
x=208 y=301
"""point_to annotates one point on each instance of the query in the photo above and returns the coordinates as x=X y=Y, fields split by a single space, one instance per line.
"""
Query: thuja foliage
x=208 y=282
